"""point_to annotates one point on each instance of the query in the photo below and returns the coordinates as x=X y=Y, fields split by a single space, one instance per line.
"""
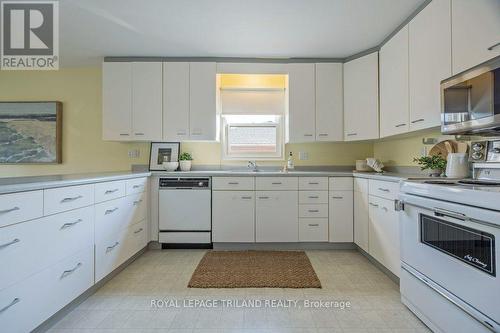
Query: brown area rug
x=254 y=269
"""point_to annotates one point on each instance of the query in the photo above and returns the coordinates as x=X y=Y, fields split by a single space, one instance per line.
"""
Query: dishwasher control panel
x=185 y=183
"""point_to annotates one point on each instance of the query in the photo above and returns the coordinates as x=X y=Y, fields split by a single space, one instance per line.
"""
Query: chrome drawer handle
x=124 y=134
x=246 y=198
x=233 y=183
x=352 y=134
x=110 y=248
x=139 y=133
x=13 y=209
x=70 y=224
x=263 y=197
x=313 y=224
x=493 y=46
x=313 y=197
x=14 y=241
x=110 y=211
x=71 y=199
x=417 y=121
x=308 y=135
x=337 y=197
x=69 y=271
x=322 y=134
x=137 y=202
x=138 y=231
x=374 y=205
x=384 y=189
x=313 y=183
x=111 y=191
x=276 y=183
x=313 y=211
x=136 y=186
x=181 y=133
x=14 y=301
x=400 y=125
x=385 y=208
x=196 y=133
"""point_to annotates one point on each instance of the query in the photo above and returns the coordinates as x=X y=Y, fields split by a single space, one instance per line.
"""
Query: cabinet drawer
x=136 y=185
x=313 y=183
x=313 y=197
x=313 y=230
x=109 y=253
x=41 y=295
x=109 y=191
x=276 y=183
x=341 y=184
x=31 y=246
x=135 y=241
x=313 y=210
x=136 y=209
x=18 y=207
x=387 y=190
x=361 y=185
x=111 y=217
x=233 y=183
x=61 y=199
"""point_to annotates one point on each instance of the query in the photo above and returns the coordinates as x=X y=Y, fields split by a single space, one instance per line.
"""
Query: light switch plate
x=134 y=153
x=303 y=155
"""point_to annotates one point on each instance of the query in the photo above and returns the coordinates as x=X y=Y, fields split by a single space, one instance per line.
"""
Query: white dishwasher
x=185 y=212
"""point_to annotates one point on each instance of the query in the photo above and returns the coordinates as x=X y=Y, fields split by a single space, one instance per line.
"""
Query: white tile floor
x=124 y=303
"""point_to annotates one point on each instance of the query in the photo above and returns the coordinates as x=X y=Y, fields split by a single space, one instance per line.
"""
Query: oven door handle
x=475 y=314
x=440 y=212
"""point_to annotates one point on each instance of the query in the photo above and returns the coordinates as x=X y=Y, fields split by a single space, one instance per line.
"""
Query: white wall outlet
x=423 y=151
x=303 y=155
x=134 y=153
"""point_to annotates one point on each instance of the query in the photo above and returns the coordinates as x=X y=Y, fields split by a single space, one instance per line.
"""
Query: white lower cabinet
x=361 y=213
x=313 y=229
x=233 y=216
x=276 y=216
x=384 y=233
x=340 y=216
x=28 y=303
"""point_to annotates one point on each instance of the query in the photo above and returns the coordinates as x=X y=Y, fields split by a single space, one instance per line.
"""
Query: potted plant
x=185 y=161
x=435 y=164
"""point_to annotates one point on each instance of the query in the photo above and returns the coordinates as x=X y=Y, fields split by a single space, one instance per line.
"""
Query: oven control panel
x=485 y=151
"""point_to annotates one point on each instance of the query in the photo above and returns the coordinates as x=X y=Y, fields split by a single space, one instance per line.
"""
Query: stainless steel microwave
x=470 y=101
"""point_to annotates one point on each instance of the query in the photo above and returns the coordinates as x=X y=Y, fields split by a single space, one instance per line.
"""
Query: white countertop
x=21 y=184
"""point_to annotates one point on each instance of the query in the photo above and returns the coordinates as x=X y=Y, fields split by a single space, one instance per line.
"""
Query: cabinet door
x=429 y=63
x=475 y=32
x=202 y=105
x=394 y=112
x=301 y=108
x=175 y=101
x=276 y=217
x=233 y=216
x=116 y=101
x=340 y=216
x=361 y=98
x=329 y=102
x=147 y=101
x=384 y=233
x=361 y=220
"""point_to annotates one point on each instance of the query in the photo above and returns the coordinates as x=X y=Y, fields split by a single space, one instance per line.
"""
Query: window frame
x=280 y=140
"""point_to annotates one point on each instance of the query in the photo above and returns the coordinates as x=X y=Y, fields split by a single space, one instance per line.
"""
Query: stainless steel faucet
x=252 y=165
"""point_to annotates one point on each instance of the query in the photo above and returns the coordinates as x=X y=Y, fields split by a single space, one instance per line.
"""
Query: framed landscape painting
x=30 y=132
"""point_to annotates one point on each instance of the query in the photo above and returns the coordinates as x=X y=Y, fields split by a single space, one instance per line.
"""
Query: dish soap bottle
x=289 y=163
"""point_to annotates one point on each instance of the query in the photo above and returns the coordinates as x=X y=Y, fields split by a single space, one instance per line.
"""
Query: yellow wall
x=80 y=92
x=252 y=81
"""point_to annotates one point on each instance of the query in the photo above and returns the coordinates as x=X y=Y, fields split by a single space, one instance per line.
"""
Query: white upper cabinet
x=329 y=102
x=301 y=108
x=116 y=100
x=176 y=101
x=394 y=112
x=429 y=62
x=147 y=101
x=132 y=101
x=361 y=98
x=202 y=103
x=475 y=31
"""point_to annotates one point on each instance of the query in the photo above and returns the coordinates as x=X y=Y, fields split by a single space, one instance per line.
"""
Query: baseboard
x=46 y=325
x=374 y=261
x=284 y=246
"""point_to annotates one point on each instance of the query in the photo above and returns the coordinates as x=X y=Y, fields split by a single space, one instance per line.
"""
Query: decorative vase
x=185 y=165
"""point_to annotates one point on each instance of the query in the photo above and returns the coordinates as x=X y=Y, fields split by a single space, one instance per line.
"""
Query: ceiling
x=92 y=29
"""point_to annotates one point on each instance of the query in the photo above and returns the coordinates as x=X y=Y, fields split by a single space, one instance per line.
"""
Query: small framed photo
x=163 y=152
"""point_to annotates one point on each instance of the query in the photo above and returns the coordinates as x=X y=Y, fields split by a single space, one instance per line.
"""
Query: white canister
x=185 y=165
x=457 y=166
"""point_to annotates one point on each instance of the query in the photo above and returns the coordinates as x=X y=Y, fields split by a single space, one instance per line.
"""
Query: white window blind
x=253 y=101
